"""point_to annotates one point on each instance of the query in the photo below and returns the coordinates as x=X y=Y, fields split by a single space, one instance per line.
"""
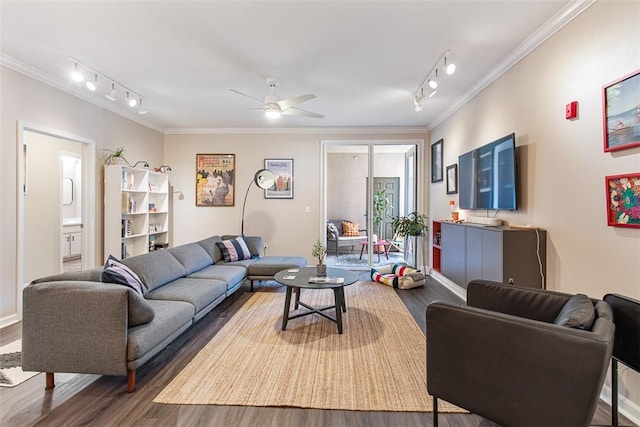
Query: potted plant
x=414 y=224
x=320 y=251
x=116 y=157
x=412 y=227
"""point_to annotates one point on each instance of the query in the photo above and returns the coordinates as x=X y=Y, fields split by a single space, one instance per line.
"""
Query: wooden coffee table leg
x=287 y=303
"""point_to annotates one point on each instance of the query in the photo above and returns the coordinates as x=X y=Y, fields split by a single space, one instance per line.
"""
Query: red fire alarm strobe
x=571 y=110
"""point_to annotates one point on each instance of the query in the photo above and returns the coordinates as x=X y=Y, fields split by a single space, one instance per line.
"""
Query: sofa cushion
x=156 y=268
x=171 y=317
x=350 y=229
x=199 y=292
x=139 y=309
x=269 y=266
x=578 y=313
x=116 y=272
x=209 y=245
x=230 y=274
x=234 y=249
x=192 y=256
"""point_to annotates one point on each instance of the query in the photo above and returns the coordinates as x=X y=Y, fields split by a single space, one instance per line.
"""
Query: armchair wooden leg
x=435 y=411
x=50 y=382
x=131 y=380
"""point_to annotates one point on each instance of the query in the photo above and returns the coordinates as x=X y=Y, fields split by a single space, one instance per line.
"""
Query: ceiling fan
x=274 y=107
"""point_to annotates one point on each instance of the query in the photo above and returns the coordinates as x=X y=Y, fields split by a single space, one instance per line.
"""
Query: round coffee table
x=300 y=278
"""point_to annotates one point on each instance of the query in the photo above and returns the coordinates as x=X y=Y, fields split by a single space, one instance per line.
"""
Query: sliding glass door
x=366 y=185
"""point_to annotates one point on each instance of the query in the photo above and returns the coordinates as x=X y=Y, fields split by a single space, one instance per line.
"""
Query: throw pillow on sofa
x=350 y=229
x=234 y=249
x=577 y=313
x=116 y=272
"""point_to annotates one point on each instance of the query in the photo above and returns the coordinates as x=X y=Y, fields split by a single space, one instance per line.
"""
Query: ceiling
x=364 y=60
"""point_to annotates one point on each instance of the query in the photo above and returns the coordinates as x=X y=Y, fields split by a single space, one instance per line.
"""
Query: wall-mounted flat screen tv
x=487 y=176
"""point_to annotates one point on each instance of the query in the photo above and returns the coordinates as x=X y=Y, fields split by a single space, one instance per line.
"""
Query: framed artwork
x=215 y=179
x=452 y=179
x=436 y=161
x=623 y=200
x=621 y=111
x=283 y=186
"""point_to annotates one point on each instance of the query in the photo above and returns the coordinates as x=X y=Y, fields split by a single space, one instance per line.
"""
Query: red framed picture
x=623 y=200
x=621 y=113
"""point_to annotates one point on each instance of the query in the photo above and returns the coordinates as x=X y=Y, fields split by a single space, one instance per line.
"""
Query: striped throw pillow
x=116 y=272
x=234 y=249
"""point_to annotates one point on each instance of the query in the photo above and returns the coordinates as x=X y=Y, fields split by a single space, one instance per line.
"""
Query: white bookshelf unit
x=136 y=211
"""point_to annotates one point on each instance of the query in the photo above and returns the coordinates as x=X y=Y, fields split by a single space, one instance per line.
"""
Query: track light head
x=111 y=96
x=131 y=101
x=417 y=100
x=141 y=109
x=92 y=85
x=449 y=68
x=76 y=75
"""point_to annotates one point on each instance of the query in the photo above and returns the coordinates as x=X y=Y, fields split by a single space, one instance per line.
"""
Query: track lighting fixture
x=133 y=99
x=417 y=99
x=141 y=109
x=431 y=80
x=92 y=85
x=76 y=75
x=111 y=96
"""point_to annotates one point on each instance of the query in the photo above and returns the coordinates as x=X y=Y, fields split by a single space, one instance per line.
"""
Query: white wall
x=563 y=165
x=30 y=101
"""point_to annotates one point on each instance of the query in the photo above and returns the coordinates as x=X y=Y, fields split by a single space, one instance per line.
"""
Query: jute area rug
x=377 y=364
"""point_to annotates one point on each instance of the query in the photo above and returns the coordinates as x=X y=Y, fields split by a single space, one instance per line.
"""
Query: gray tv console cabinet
x=516 y=256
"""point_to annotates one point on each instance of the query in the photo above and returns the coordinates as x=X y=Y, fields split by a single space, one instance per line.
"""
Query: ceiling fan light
x=76 y=75
x=272 y=113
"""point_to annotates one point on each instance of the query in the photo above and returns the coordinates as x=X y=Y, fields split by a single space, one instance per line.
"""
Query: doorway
x=346 y=190
x=45 y=200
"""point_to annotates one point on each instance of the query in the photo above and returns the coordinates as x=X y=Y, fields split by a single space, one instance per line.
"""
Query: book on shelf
x=326 y=279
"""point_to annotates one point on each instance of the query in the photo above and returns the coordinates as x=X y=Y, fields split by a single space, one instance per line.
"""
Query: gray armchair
x=503 y=357
x=336 y=238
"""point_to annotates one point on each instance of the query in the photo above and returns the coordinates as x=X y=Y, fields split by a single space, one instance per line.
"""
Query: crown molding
x=552 y=26
x=296 y=131
x=42 y=77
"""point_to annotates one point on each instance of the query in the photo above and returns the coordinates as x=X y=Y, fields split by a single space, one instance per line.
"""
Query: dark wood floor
x=103 y=401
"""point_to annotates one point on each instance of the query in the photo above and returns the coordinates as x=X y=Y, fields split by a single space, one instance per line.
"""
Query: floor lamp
x=264 y=179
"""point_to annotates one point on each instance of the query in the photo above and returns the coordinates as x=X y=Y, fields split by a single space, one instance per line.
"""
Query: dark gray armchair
x=508 y=357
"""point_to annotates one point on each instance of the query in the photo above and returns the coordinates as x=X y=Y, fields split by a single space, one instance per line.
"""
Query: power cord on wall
x=544 y=283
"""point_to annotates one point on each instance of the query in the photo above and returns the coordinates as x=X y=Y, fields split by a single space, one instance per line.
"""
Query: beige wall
x=563 y=165
x=30 y=101
x=284 y=224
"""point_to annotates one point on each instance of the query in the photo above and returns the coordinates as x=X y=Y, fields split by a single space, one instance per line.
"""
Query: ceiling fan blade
x=303 y=113
x=248 y=96
x=290 y=102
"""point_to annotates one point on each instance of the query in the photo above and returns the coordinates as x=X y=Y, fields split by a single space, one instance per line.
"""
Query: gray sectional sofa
x=73 y=322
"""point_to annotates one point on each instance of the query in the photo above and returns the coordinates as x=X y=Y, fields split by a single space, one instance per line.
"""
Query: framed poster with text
x=215 y=179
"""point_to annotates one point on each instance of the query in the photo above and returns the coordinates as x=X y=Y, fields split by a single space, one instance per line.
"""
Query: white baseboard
x=452 y=286
x=626 y=407
x=9 y=320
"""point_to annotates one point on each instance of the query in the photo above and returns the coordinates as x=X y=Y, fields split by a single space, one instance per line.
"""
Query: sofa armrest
x=510 y=369
x=77 y=326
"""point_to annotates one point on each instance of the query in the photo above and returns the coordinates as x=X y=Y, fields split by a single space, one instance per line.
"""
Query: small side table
x=382 y=243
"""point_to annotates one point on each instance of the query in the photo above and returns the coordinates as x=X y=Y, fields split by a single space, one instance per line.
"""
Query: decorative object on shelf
x=320 y=251
x=264 y=179
x=452 y=179
x=145 y=164
x=436 y=161
x=215 y=179
x=623 y=200
x=454 y=212
x=116 y=157
x=621 y=112
x=282 y=187
x=163 y=169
